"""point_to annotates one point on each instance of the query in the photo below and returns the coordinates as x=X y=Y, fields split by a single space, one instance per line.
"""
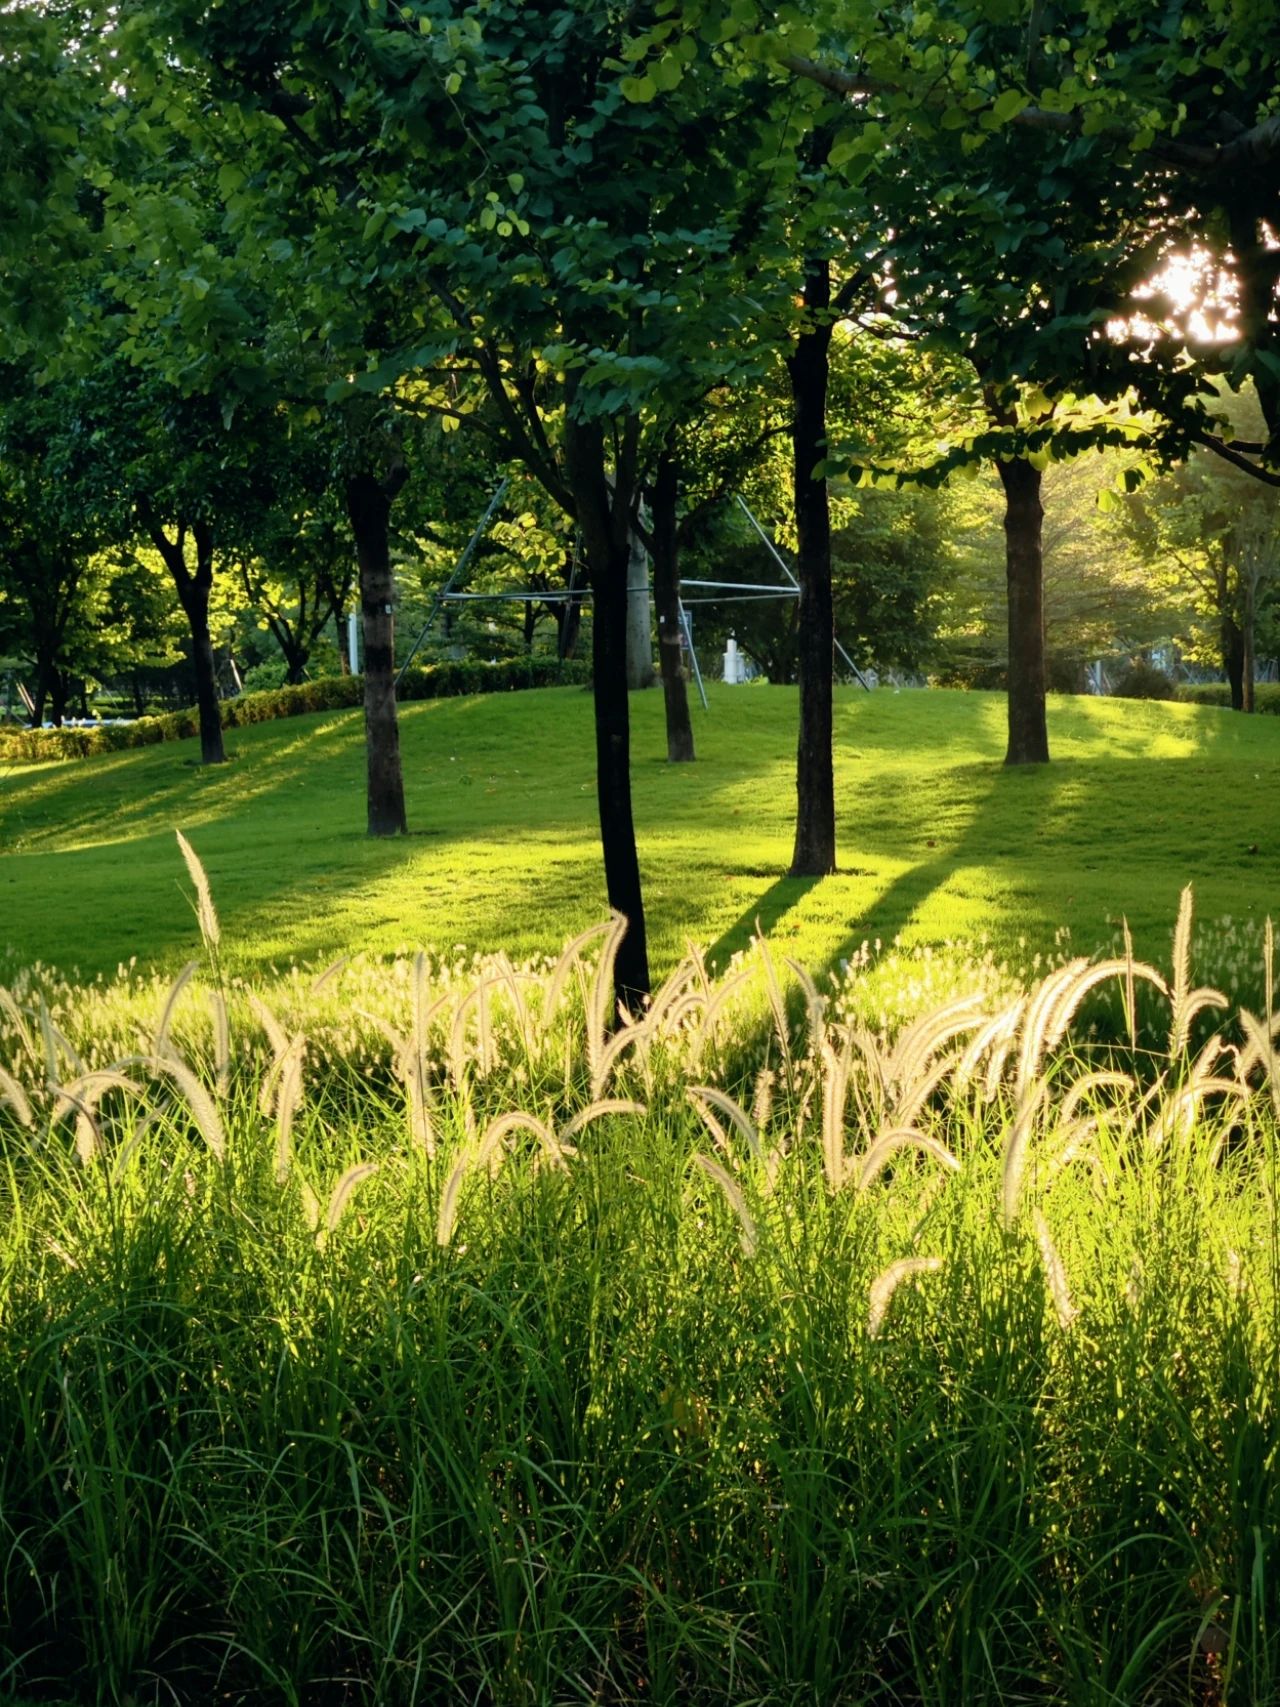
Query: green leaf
x=638 y=90
x=666 y=72
x=1008 y=105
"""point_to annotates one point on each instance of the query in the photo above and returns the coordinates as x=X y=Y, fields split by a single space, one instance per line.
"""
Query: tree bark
x=1248 y=630
x=602 y=510
x=369 y=502
x=666 y=593
x=568 y=627
x=1024 y=574
x=639 y=617
x=61 y=685
x=194 y=588
x=1233 y=660
x=814 y=854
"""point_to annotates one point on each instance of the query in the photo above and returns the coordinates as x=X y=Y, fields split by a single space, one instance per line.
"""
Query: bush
x=327 y=693
x=1266 y=695
x=1141 y=680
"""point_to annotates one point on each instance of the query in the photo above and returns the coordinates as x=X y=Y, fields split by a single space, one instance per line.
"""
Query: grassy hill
x=937 y=840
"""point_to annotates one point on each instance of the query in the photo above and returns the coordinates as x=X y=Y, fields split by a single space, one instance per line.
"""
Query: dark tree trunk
x=60 y=693
x=1248 y=640
x=195 y=603
x=1233 y=660
x=369 y=502
x=1024 y=574
x=294 y=648
x=666 y=594
x=814 y=854
x=45 y=678
x=569 y=624
x=193 y=590
x=603 y=515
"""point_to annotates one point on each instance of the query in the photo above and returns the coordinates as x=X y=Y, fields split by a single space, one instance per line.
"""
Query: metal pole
x=687 y=626
x=353 y=642
x=468 y=549
x=782 y=564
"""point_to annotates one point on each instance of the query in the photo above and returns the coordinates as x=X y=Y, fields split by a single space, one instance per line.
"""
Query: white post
x=732 y=662
x=353 y=642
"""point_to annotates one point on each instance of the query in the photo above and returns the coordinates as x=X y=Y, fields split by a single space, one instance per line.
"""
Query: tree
x=570 y=251
x=296 y=573
x=1100 y=598
x=1210 y=533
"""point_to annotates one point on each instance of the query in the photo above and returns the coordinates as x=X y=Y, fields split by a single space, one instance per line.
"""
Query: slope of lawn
x=937 y=840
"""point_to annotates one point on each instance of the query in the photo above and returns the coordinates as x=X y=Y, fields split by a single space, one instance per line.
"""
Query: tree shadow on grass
x=762 y=916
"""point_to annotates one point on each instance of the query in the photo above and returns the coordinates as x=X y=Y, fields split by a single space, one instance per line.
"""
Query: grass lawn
x=404 y=1340
x=937 y=841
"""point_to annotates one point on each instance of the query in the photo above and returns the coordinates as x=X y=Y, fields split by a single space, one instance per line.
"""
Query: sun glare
x=1191 y=299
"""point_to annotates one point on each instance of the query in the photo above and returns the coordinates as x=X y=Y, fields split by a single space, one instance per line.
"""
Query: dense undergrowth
x=414 y=1336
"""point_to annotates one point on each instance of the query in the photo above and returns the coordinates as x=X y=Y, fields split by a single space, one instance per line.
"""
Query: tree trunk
x=195 y=603
x=814 y=854
x=46 y=672
x=1248 y=629
x=1024 y=573
x=193 y=590
x=369 y=502
x=1233 y=660
x=61 y=693
x=602 y=515
x=666 y=592
x=569 y=625
x=639 y=617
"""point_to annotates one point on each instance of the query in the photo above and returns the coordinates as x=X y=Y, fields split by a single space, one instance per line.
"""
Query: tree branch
x=1221 y=448
x=1251 y=149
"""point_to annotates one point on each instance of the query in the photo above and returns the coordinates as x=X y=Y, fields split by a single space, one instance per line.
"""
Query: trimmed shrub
x=448 y=680
x=1266 y=695
x=1141 y=680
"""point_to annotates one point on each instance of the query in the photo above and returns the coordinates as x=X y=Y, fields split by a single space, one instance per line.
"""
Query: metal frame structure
x=712 y=592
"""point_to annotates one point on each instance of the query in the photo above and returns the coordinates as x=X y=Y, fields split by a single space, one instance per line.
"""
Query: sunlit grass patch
x=937 y=842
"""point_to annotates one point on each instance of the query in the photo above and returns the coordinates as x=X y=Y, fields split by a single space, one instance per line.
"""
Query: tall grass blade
x=206 y=913
x=1015 y=1152
x=600 y=996
x=341 y=1193
x=599 y=1111
x=12 y=1093
x=288 y=1099
x=160 y=1042
x=733 y=1111
x=570 y=955
x=888 y=1144
x=748 y=1234
x=13 y=1012
x=221 y=1041
x=887 y=1283
x=1055 y=1274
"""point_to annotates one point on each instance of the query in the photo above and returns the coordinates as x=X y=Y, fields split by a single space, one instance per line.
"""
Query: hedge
x=1266 y=695
x=328 y=693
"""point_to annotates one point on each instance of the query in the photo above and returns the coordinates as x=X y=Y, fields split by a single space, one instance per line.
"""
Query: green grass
x=619 y=1428
x=937 y=841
